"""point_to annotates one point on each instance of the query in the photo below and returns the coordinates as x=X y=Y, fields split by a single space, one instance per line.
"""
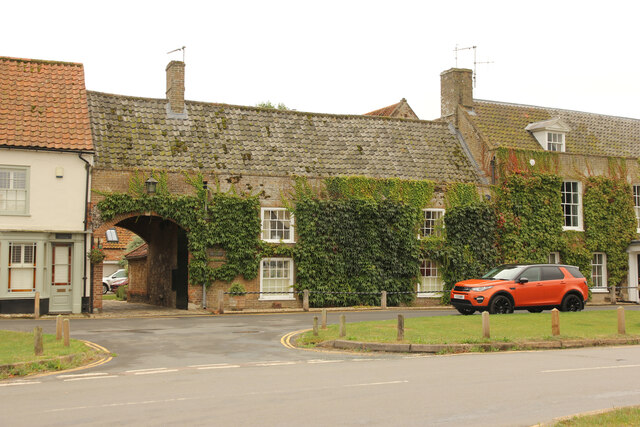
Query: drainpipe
x=204 y=285
x=84 y=266
x=493 y=171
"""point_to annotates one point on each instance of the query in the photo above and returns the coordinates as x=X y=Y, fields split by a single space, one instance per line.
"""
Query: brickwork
x=175 y=86
x=138 y=285
x=97 y=286
x=455 y=89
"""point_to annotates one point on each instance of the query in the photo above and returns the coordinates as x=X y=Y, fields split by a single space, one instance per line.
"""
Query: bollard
x=555 y=322
x=65 y=329
x=343 y=326
x=383 y=300
x=622 y=330
x=324 y=318
x=612 y=294
x=221 y=301
x=400 y=327
x=36 y=306
x=305 y=300
x=486 y=329
x=315 y=326
x=37 y=341
x=58 y=327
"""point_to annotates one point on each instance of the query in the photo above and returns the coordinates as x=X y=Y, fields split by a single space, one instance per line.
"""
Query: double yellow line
x=286 y=339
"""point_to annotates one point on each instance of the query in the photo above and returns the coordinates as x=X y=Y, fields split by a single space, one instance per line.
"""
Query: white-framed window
x=599 y=270
x=430 y=278
x=432 y=223
x=555 y=141
x=277 y=225
x=14 y=190
x=571 y=205
x=276 y=278
x=22 y=267
x=554 y=258
x=112 y=235
x=636 y=204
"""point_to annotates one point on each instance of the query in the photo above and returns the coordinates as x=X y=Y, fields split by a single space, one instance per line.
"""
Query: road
x=233 y=370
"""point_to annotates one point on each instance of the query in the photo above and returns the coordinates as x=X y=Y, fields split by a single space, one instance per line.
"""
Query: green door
x=61 y=295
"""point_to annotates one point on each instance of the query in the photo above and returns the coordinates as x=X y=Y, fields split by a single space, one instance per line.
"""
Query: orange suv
x=533 y=287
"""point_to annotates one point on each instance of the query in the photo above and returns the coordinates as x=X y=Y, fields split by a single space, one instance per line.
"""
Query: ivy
x=414 y=193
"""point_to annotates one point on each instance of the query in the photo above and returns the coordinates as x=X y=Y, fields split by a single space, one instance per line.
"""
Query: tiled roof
x=503 y=125
x=136 y=133
x=400 y=110
x=384 y=111
x=139 y=252
x=43 y=104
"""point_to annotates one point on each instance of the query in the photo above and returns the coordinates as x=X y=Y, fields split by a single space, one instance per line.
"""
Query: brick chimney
x=456 y=88
x=175 y=89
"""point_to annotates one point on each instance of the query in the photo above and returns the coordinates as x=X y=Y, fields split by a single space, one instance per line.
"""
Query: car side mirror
x=523 y=280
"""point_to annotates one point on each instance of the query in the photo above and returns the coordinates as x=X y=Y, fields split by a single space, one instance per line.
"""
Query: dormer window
x=555 y=141
x=550 y=134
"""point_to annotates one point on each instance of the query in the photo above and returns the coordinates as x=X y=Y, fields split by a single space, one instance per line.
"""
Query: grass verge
x=618 y=417
x=17 y=357
x=511 y=328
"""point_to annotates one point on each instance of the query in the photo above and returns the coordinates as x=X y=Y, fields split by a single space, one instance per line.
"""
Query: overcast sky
x=343 y=57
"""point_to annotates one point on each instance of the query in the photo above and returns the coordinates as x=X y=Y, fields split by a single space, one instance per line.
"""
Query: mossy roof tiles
x=43 y=104
x=503 y=125
x=136 y=133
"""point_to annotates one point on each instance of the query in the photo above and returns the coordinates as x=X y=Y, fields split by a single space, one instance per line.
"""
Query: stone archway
x=166 y=261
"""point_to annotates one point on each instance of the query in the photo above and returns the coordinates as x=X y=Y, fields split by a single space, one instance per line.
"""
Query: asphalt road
x=233 y=370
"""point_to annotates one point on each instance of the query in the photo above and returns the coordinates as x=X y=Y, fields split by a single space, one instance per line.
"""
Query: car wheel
x=571 y=302
x=535 y=310
x=465 y=310
x=500 y=305
x=105 y=288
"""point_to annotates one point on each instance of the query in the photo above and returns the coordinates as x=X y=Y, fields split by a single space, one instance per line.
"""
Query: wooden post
x=343 y=326
x=36 y=306
x=315 y=326
x=622 y=330
x=400 y=327
x=65 y=329
x=324 y=318
x=555 y=322
x=612 y=294
x=383 y=300
x=486 y=329
x=305 y=300
x=37 y=341
x=58 y=327
x=221 y=301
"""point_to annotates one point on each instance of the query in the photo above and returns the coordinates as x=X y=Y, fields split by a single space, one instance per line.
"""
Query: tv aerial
x=180 y=48
x=475 y=61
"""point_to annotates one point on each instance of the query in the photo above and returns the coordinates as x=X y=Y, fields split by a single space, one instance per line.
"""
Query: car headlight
x=481 y=288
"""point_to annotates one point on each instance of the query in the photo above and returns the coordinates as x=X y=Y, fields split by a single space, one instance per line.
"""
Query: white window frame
x=288 y=271
x=556 y=140
x=4 y=191
x=265 y=222
x=603 y=270
x=554 y=258
x=636 y=205
x=20 y=264
x=112 y=235
x=578 y=206
x=435 y=229
x=430 y=286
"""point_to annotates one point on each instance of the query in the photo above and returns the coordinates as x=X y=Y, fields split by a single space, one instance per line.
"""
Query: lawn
x=514 y=328
x=617 y=417
x=17 y=347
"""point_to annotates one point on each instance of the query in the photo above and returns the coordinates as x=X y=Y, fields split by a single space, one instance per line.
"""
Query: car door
x=528 y=294
x=553 y=284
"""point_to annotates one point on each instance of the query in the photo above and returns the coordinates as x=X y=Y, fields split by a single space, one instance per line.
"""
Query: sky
x=343 y=57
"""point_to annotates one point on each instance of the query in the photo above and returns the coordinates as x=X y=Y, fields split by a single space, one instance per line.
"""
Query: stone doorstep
x=463 y=348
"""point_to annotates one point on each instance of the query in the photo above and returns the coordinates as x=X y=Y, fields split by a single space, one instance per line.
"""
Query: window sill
x=276 y=298
x=600 y=290
x=14 y=214
x=430 y=294
x=278 y=241
x=572 y=229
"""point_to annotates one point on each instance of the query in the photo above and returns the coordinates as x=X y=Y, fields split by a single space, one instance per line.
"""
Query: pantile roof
x=139 y=252
x=43 y=104
x=133 y=132
x=503 y=125
x=400 y=110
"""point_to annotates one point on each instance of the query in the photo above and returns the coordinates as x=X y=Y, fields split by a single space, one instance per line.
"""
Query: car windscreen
x=504 y=272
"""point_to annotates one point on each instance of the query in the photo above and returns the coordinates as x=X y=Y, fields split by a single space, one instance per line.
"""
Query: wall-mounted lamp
x=150 y=185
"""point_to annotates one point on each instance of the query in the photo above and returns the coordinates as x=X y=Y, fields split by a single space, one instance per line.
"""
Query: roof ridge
x=514 y=104
x=247 y=107
x=40 y=61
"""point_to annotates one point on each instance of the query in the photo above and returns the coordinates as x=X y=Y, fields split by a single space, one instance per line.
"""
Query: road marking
x=220 y=367
x=276 y=363
x=90 y=378
x=382 y=383
x=156 y=372
x=365 y=360
x=95 y=374
x=19 y=383
x=324 y=361
x=590 y=369
x=143 y=370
